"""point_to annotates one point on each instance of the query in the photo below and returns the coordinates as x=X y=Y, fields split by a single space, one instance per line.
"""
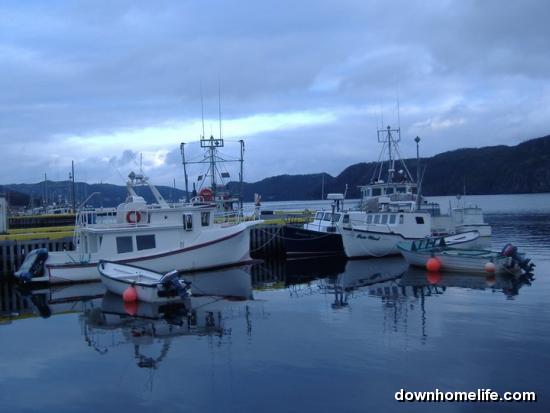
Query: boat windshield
x=331 y=217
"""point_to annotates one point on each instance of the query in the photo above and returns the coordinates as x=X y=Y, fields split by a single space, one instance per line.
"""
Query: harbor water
x=301 y=335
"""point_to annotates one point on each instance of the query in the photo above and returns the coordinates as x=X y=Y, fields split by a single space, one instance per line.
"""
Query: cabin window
x=328 y=217
x=401 y=219
x=369 y=219
x=319 y=216
x=205 y=219
x=335 y=217
x=401 y=189
x=124 y=244
x=345 y=220
x=384 y=219
x=389 y=190
x=419 y=220
x=145 y=242
x=376 y=191
x=392 y=219
x=377 y=219
x=188 y=222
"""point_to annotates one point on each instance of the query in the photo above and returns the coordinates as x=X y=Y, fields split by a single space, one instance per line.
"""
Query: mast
x=241 y=178
x=212 y=151
x=182 y=149
x=73 y=187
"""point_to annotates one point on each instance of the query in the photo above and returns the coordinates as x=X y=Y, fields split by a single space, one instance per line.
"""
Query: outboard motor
x=173 y=285
x=33 y=266
x=524 y=263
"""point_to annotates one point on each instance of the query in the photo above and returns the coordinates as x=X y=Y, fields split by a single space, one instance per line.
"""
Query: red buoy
x=131 y=307
x=433 y=264
x=130 y=294
x=433 y=277
x=490 y=267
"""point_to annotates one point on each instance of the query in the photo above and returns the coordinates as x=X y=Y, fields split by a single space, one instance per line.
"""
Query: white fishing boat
x=377 y=234
x=158 y=237
x=149 y=286
x=449 y=258
x=398 y=188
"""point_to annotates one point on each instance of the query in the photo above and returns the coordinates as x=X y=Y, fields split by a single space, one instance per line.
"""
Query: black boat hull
x=300 y=241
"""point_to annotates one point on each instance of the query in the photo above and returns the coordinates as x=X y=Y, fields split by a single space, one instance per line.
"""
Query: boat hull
x=461 y=263
x=301 y=241
x=229 y=250
x=484 y=230
x=359 y=243
x=148 y=293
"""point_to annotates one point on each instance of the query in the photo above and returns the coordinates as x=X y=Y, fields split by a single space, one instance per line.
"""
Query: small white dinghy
x=439 y=254
x=149 y=286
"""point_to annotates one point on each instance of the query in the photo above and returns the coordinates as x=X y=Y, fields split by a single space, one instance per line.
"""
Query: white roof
x=335 y=196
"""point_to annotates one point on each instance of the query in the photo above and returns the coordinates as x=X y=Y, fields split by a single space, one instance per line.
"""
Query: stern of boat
x=33 y=268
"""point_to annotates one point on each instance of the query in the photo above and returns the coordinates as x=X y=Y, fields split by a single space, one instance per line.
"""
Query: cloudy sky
x=304 y=83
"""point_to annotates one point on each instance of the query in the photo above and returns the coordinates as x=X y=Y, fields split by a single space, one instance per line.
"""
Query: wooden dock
x=13 y=252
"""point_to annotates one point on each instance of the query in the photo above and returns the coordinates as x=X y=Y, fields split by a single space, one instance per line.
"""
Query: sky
x=306 y=84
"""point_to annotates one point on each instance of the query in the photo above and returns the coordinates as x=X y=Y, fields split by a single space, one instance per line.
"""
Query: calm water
x=320 y=335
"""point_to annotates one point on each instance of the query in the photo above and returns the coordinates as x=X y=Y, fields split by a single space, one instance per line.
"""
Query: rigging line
x=398 y=115
x=403 y=162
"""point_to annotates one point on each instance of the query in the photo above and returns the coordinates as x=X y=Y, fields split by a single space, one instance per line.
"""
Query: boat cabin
x=136 y=228
x=408 y=224
x=381 y=188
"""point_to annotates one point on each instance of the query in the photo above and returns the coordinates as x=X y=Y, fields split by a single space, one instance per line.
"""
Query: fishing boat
x=436 y=255
x=398 y=188
x=159 y=237
x=322 y=235
x=377 y=234
x=150 y=286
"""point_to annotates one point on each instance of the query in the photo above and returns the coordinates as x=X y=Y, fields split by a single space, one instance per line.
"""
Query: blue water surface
x=318 y=335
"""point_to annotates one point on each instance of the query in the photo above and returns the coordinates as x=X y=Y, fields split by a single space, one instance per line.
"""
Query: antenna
x=398 y=115
x=220 y=106
x=202 y=111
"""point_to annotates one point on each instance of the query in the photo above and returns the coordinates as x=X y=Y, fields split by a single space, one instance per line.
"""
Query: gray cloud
x=467 y=73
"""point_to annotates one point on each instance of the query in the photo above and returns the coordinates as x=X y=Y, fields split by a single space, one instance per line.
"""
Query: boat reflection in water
x=147 y=328
x=424 y=282
x=150 y=328
x=375 y=274
x=22 y=303
x=298 y=275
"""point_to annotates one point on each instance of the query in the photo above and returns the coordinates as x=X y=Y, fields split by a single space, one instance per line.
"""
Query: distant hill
x=523 y=168
x=60 y=191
